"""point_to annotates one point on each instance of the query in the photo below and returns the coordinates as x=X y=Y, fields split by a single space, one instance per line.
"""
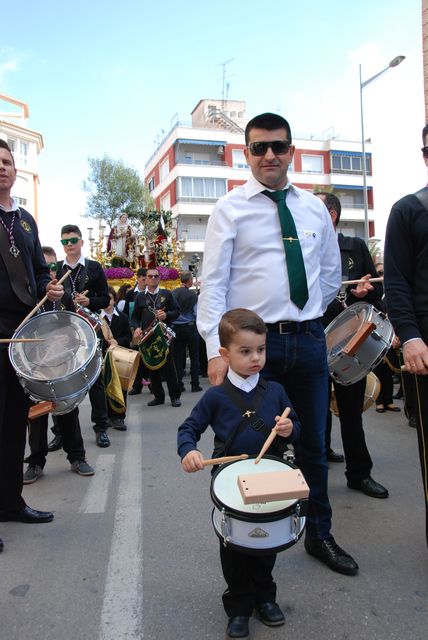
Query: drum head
x=340 y=331
x=225 y=491
x=68 y=343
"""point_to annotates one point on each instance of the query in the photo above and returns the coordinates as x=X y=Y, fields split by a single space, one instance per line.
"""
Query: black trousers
x=169 y=373
x=67 y=426
x=249 y=581
x=186 y=336
x=350 y=400
x=14 y=406
x=422 y=430
x=99 y=414
x=384 y=373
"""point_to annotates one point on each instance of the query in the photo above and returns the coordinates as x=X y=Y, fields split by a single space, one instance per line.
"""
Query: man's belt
x=289 y=326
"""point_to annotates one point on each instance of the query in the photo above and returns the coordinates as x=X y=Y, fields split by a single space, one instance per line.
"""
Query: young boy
x=242 y=336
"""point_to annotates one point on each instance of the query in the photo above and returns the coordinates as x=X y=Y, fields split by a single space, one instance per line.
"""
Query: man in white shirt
x=245 y=265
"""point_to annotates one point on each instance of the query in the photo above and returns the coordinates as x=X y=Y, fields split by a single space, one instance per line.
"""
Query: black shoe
x=119 y=424
x=155 y=402
x=332 y=456
x=270 y=614
x=26 y=514
x=329 y=552
x=135 y=391
x=101 y=439
x=196 y=387
x=370 y=487
x=412 y=422
x=238 y=627
x=55 y=444
x=175 y=402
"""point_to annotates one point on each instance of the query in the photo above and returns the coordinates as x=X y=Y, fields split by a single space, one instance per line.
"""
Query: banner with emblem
x=154 y=351
x=112 y=384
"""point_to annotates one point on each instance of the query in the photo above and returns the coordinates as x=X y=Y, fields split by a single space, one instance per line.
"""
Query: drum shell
x=256 y=529
x=126 y=362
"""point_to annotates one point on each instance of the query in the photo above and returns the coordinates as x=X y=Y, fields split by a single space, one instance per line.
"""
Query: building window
x=165 y=202
x=12 y=144
x=207 y=189
x=164 y=169
x=238 y=159
x=151 y=183
x=22 y=201
x=312 y=164
x=349 y=163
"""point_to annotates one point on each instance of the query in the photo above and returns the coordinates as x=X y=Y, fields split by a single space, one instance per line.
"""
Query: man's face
x=7 y=171
x=270 y=169
x=332 y=212
x=73 y=248
x=152 y=279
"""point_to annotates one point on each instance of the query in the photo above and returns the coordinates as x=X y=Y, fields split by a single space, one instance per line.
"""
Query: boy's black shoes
x=270 y=614
x=238 y=627
x=329 y=552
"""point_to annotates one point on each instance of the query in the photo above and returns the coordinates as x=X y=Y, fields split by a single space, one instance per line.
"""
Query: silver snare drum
x=64 y=365
x=357 y=340
x=254 y=529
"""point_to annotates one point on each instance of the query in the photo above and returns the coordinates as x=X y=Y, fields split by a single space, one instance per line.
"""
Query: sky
x=109 y=78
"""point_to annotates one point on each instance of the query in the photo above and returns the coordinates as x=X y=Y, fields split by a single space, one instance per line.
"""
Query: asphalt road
x=132 y=552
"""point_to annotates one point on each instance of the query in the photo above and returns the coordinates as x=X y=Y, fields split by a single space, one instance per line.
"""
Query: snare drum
x=62 y=367
x=357 y=340
x=254 y=529
x=91 y=317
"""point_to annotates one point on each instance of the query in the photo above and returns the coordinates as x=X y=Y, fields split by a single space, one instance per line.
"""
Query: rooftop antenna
x=224 y=91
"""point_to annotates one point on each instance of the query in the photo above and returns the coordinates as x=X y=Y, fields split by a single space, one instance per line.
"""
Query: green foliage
x=113 y=189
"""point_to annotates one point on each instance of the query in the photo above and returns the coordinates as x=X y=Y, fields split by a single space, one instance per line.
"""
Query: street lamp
x=394 y=63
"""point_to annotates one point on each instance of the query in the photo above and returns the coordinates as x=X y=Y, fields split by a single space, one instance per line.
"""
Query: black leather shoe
x=412 y=422
x=101 y=439
x=155 y=402
x=332 y=456
x=238 y=627
x=135 y=391
x=329 y=552
x=55 y=444
x=175 y=402
x=196 y=387
x=26 y=514
x=370 y=487
x=270 y=614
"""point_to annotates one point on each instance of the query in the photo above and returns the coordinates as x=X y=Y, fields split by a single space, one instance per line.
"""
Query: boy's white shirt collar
x=81 y=261
x=245 y=384
x=104 y=313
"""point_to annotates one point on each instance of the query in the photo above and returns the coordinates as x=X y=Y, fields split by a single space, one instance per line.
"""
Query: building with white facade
x=26 y=146
x=199 y=161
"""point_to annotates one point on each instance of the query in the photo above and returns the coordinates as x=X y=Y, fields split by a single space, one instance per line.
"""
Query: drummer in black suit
x=88 y=287
x=24 y=277
x=357 y=264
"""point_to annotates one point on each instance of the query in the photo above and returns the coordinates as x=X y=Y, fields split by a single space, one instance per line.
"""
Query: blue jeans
x=298 y=361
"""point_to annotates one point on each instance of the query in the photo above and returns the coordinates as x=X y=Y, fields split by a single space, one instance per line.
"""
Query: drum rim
x=26 y=376
x=251 y=516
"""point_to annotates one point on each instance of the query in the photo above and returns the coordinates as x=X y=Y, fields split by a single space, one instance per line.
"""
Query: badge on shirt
x=25 y=226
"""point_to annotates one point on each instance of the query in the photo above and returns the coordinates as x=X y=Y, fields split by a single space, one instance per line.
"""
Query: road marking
x=95 y=499
x=122 y=612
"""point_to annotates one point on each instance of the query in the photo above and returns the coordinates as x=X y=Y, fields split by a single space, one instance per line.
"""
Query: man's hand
x=81 y=299
x=137 y=335
x=217 y=369
x=283 y=426
x=54 y=291
x=363 y=287
x=415 y=354
x=160 y=314
x=192 y=461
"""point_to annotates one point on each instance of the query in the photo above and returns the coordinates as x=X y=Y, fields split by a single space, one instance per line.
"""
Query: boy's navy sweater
x=217 y=409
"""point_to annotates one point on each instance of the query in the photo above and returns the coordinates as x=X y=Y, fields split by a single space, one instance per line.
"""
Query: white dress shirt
x=245 y=384
x=244 y=259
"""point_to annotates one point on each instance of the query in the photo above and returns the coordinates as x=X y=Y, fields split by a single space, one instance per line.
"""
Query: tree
x=113 y=189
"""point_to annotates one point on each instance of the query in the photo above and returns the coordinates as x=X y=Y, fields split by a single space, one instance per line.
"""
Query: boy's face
x=246 y=354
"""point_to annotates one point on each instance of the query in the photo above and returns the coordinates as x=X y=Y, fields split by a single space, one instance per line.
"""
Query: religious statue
x=122 y=241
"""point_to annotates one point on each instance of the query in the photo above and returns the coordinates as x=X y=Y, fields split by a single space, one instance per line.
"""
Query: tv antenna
x=225 y=85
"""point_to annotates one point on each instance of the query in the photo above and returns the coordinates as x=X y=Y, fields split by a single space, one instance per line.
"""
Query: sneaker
x=33 y=473
x=82 y=468
x=119 y=424
x=102 y=439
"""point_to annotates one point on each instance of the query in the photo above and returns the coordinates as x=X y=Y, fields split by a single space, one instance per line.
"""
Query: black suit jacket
x=90 y=278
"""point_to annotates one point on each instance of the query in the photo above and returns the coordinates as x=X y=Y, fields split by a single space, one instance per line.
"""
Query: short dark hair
x=186 y=276
x=50 y=250
x=122 y=291
x=112 y=292
x=4 y=145
x=268 y=121
x=331 y=201
x=239 y=320
x=141 y=272
x=424 y=133
x=71 y=228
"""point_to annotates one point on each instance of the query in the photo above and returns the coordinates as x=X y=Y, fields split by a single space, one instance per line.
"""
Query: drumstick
x=380 y=279
x=42 y=302
x=271 y=437
x=9 y=340
x=224 y=459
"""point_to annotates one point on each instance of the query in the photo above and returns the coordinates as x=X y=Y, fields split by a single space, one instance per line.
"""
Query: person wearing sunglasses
x=270 y=247
x=24 y=279
x=357 y=264
x=88 y=287
x=406 y=292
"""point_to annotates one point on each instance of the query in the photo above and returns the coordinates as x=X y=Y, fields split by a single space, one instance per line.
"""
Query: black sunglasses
x=53 y=266
x=279 y=147
x=153 y=275
x=65 y=241
x=425 y=152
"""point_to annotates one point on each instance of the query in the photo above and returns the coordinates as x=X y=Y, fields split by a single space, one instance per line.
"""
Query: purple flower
x=167 y=273
x=117 y=273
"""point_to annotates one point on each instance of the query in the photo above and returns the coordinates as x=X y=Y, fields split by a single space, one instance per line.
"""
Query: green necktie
x=293 y=251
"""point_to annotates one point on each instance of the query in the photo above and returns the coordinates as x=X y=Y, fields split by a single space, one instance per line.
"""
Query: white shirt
x=108 y=316
x=245 y=384
x=81 y=261
x=244 y=259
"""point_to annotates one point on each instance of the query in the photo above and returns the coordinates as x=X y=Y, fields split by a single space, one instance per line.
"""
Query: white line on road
x=122 y=612
x=96 y=496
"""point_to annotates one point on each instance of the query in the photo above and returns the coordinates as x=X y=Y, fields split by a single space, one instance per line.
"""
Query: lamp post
x=394 y=63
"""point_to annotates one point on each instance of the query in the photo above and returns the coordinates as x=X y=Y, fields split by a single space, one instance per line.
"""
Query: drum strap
x=18 y=276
